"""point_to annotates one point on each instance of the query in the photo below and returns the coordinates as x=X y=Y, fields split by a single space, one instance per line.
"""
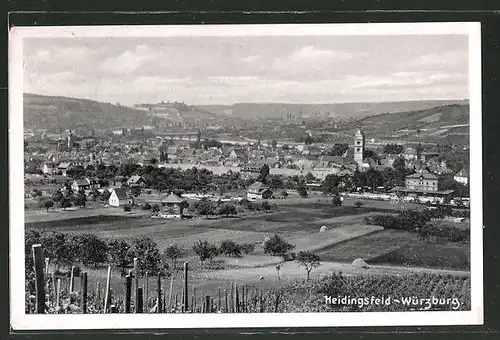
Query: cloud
x=129 y=60
x=251 y=58
x=446 y=59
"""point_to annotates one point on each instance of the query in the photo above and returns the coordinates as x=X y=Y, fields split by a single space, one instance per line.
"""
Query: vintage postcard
x=212 y=176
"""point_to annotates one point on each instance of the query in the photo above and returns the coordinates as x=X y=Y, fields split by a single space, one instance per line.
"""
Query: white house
x=119 y=198
x=48 y=168
x=258 y=191
x=462 y=176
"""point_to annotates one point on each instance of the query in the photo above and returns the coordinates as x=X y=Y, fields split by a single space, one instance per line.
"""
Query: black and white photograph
x=211 y=176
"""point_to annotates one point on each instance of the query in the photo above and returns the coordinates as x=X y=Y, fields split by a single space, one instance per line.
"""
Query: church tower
x=359 y=146
x=70 y=140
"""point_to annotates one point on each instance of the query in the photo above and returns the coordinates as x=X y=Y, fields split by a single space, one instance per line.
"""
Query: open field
x=388 y=252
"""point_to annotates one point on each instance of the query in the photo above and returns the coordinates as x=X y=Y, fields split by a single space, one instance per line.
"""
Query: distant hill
x=280 y=110
x=445 y=124
x=62 y=112
x=54 y=112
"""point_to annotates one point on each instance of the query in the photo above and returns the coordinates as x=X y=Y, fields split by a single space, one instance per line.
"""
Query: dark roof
x=424 y=173
x=172 y=199
x=121 y=193
x=257 y=187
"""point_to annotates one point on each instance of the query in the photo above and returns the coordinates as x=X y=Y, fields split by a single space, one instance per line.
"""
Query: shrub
x=229 y=248
x=358 y=204
x=336 y=201
x=155 y=208
x=444 y=233
x=247 y=248
x=226 y=209
x=265 y=206
x=127 y=208
x=146 y=206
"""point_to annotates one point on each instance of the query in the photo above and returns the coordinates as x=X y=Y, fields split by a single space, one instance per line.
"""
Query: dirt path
x=291 y=271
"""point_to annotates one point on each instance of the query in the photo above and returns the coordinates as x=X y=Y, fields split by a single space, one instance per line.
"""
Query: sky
x=227 y=70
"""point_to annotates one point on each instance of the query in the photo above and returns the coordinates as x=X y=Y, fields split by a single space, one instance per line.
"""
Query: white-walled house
x=119 y=198
x=462 y=176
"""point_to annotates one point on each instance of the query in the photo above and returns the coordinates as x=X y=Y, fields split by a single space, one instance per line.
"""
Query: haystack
x=360 y=263
x=322 y=229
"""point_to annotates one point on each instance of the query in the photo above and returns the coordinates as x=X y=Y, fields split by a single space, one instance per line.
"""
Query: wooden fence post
x=202 y=302
x=232 y=297
x=243 y=306
x=170 y=292
x=158 y=294
x=47 y=261
x=40 y=289
x=54 y=286
x=193 y=304
x=107 y=297
x=139 y=301
x=225 y=301
x=83 y=280
x=218 y=299
x=128 y=292
x=237 y=303
x=146 y=291
x=261 y=305
x=97 y=302
x=186 y=295
x=72 y=280
x=58 y=291
x=136 y=286
x=207 y=303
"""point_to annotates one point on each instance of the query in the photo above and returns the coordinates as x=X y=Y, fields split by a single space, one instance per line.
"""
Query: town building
x=359 y=147
x=86 y=184
x=172 y=205
x=462 y=176
x=63 y=168
x=49 y=168
x=136 y=180
x=422 y=180
x=424 y=186
x=119 y=197
x=258 y=191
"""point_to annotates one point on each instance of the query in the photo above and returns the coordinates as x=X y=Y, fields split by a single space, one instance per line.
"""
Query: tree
x=399 y=164
x=419 y=150
x=120 y=254
x=205 y=250
x=95 y=194
x=183 y=205
x=105 y=196
x=205 y=207
x=127 y=208
x=136 y=191
x=310 y=177
x=89 y=249
x=274 y=143
x=330 y=184
x=65 y=203
x=247 y=248
x=148 y=255
x=172 y=252
x=276 y=246
x=358 y=204
x=374 y=178
x=146 y=206
x=156 y=208
x=264 y=172
x=393 y=149
x=309 y=260
x=301 y=189
x=226 y=209
x=81 y=199
x=31 y=237
x=230 y=248
x=56 y=246
x=47 y=204
x=338 y=149
x=57 y=196
x=337 y=201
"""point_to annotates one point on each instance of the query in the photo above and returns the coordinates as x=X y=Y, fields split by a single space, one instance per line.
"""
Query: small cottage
x=258 y=191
